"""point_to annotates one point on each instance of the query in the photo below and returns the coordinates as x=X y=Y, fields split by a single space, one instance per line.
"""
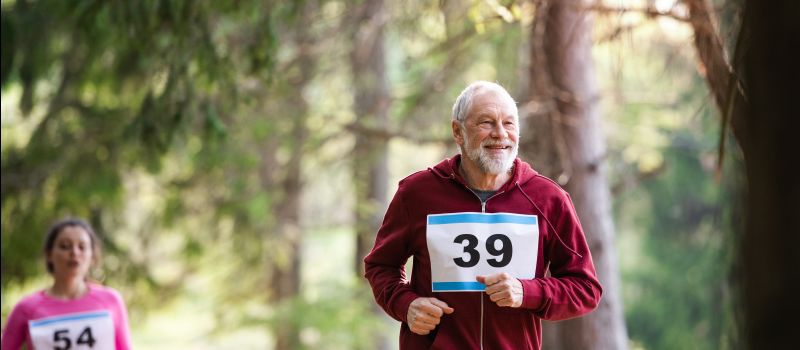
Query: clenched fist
x=425 y=313
x=503 y=289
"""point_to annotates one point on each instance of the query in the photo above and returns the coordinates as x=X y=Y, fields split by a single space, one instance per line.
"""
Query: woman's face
x=71 y=255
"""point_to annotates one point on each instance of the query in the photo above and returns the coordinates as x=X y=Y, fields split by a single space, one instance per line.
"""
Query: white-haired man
x=483 y=227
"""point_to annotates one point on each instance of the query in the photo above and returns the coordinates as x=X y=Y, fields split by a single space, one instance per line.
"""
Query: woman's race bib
x=465 y=245
x=86 y=330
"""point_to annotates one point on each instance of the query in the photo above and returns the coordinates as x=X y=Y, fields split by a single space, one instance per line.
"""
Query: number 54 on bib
x=465 y=245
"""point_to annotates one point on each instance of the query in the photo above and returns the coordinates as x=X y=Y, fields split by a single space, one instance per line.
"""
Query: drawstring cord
x=555 y=232
x=481 y=337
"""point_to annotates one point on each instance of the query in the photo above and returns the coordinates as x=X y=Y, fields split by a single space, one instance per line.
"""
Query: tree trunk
x=371 y=105
x=761 y=108
x=716 y=68
x=286 y=268
x=770 y=243
x=564 y=90
x=370 y=156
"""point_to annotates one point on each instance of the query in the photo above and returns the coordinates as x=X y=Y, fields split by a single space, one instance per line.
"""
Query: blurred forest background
x=236 y=157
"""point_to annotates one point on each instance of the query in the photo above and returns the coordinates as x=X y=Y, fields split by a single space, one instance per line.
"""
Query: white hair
x=464 y=101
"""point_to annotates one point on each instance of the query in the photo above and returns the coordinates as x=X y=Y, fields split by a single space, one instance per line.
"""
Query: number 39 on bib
x=465 y=245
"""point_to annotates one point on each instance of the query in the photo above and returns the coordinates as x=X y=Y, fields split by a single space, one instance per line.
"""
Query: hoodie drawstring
x=555 y=232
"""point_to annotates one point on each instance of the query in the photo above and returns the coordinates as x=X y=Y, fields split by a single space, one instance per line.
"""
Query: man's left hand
x=503 y=289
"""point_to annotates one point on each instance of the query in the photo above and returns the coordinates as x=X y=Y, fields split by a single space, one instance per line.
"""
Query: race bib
x=465 y=245
x=85 y=330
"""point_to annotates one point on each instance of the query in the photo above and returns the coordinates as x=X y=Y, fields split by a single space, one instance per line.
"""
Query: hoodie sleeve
x=385 y=264
x=572 y=289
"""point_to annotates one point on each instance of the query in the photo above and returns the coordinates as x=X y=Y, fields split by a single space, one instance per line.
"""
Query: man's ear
x=457 y=134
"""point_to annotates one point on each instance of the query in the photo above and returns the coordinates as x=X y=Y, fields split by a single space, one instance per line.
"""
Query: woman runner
x=73 y=313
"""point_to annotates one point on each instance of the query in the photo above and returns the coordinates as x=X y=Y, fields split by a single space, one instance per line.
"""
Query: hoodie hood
x=521 y=172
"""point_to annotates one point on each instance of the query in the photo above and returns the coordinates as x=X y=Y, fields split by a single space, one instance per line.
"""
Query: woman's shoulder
x=31 y=299
x=28 y=302
x=103 y=290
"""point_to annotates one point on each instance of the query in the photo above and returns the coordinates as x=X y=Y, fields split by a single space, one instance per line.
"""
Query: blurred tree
x=137 y=86
x=370 y=155
x=769 y=245
x=285 y=278
x=679 y=296
x=569 y=147
x=121 y=84
x=755 y=102
x=371 y=105
x=230 y=110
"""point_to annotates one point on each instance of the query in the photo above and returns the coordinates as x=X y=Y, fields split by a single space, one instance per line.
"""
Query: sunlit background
x=214 y=146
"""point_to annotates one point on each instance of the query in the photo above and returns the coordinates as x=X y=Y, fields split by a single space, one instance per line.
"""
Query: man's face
x=489 y=136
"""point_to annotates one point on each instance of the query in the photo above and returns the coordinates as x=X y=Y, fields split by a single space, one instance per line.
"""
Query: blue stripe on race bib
x=481 y=218
x=450 y=286
x=70 y=318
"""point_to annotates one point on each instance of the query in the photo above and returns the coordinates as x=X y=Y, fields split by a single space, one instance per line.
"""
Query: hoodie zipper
x=483 y=210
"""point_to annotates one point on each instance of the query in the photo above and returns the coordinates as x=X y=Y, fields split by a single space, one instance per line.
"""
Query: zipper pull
x=483 y=207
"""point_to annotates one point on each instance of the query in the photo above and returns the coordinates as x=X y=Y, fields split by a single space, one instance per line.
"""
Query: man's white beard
x=488 y=163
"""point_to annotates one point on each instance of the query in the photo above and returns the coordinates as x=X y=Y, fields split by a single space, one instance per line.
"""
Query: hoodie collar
x=448 y=168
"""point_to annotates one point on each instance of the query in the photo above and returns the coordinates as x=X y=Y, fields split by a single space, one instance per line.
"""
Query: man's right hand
x=425 y=313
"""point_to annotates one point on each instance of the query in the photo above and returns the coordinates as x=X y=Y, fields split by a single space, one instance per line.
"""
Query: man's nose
x=498 y=131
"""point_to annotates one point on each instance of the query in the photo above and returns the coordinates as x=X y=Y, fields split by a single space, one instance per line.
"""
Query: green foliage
x=677 y=275
x=674 y=219
x=677 y=296
x=171 y=125
x=339 y=319
x=120 y=84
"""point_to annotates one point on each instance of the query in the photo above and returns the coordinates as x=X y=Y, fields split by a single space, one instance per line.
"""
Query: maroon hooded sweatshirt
x=571 y=290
